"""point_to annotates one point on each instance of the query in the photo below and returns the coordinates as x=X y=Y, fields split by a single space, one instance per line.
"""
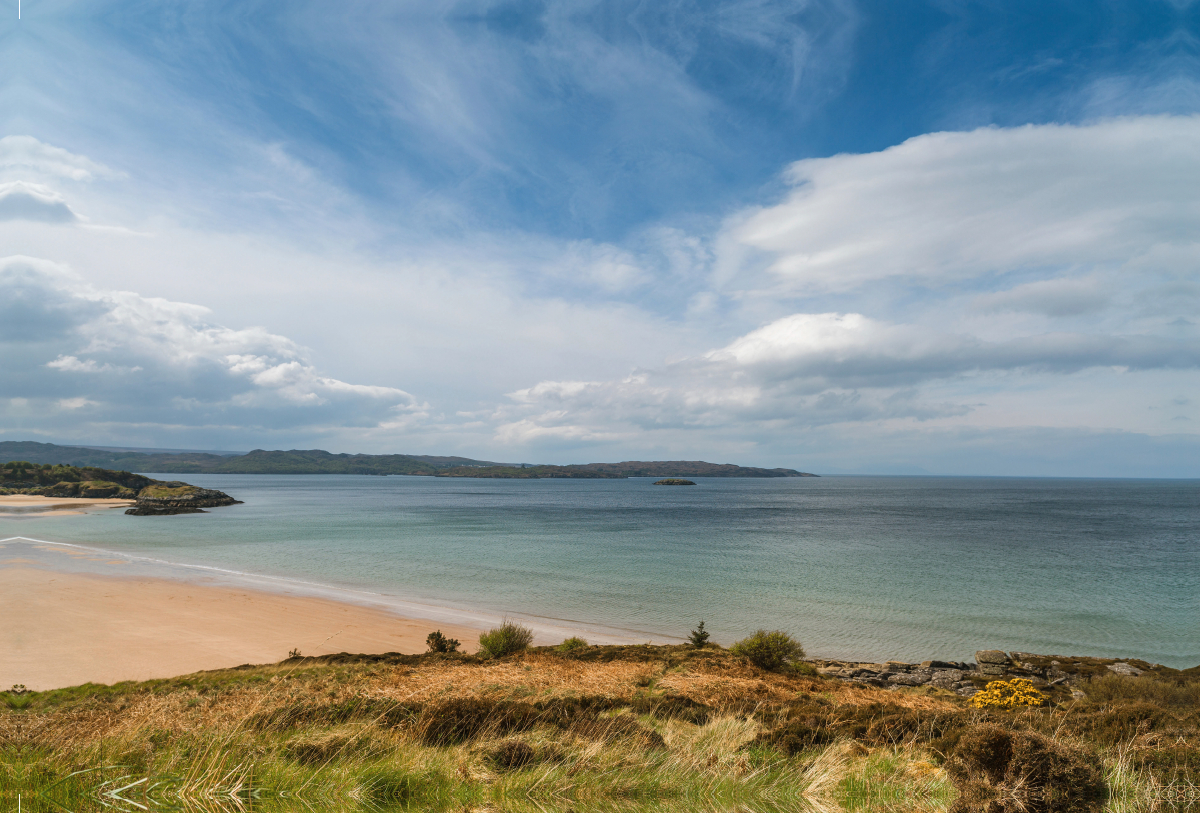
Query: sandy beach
x=28 y=505
x=62 y=629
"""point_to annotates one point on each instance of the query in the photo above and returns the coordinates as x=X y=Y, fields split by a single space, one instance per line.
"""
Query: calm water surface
x=870 y=567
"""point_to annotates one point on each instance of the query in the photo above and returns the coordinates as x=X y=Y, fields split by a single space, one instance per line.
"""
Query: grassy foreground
x=641 y=727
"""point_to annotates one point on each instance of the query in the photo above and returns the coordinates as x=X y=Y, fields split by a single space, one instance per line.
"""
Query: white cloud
x=1055 y=297
x=952 y=206
x=812 y=369
x=24 y=153
x=151 y=359
x=21 y=200
x=71 y=364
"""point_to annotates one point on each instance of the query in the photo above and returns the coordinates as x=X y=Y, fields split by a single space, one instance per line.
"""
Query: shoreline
x=375 y=622
x=67 y=625
x=65 y=629
x=15 y=506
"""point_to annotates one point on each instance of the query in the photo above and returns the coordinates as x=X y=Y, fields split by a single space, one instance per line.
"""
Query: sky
x=844 y=237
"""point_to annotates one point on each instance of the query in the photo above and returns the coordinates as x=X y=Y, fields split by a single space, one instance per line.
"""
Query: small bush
x=506 y=639
x=1041 y=774
x=511 y=755
x=699 y=636
x=573 y=644
x=1008 y=694
x=769 y=650
x=440 y=643
x=459 y=720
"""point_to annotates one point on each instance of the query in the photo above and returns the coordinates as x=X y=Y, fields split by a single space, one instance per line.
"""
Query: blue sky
x=940 y=237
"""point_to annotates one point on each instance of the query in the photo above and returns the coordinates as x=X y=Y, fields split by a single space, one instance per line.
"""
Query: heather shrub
x=769 y=650
x=506 y=639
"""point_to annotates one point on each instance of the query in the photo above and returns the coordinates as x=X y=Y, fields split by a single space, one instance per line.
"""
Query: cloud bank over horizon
x=729 y=265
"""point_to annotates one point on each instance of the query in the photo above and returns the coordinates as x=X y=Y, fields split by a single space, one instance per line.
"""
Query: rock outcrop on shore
x=966 y=679
x=178 y=498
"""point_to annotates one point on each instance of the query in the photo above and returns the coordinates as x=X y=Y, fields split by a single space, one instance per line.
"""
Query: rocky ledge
x=965 y=679
x=178 y=498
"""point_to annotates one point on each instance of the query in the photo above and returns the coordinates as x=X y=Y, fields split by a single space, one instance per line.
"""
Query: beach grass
x=644 y=727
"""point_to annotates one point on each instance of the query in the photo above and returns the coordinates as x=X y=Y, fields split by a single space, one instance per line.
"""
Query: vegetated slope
x=318 y=461
x=21 y=477
x=183 y=463
x=259 y=461
x=676 y=727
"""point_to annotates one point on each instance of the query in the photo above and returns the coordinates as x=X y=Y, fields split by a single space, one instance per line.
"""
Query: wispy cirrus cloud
x=25 y=154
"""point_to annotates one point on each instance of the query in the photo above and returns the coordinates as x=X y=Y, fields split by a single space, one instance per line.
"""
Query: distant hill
x=317 y=461
x=631 y=468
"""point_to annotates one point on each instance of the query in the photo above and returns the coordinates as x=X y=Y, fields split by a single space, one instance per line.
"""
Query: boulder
x=1124 y=669
x=946 y=678
x=938 y=665
x=917 y=677
x=992 y=669
x=991 y=656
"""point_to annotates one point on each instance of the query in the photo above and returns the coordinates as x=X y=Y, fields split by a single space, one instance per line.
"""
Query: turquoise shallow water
x=890 y=567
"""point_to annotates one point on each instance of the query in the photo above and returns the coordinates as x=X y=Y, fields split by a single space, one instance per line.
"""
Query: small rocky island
x=150 y=497
x=674 y=481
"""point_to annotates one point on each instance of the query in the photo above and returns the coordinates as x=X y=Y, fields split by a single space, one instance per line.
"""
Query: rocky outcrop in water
x=178 y=498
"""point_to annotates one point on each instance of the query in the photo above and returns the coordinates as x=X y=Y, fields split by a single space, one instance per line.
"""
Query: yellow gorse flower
x=1007 y=694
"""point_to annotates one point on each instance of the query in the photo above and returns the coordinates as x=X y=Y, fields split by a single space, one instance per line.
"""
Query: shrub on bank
x=1008 y=694
x=769 y=650
x=506 y=639
x=437 y=642
x=572 y=644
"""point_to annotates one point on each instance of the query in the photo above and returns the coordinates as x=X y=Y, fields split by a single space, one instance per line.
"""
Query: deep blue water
x=870 y=567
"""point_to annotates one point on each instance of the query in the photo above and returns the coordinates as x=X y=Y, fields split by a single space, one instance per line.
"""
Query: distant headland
x=317 y=461
x=149 y=497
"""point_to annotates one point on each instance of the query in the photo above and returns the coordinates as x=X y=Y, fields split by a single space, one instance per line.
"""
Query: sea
x=868 y=568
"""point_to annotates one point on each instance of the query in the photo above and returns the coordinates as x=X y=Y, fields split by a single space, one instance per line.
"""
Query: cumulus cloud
x=816 y=368
x=21 y=200
x=957 y=205
x=133 y=358
x=22 y=152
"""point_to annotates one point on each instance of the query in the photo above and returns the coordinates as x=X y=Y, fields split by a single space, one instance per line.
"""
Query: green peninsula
x=151 y=497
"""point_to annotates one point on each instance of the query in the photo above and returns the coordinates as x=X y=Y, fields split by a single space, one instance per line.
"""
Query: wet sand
x=28 y=505
x=62 y=629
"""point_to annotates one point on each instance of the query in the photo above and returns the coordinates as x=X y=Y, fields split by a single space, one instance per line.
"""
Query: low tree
x=440 y=643
x=699 y=636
